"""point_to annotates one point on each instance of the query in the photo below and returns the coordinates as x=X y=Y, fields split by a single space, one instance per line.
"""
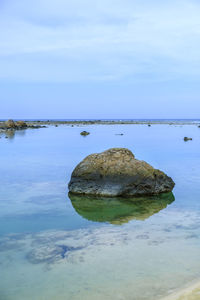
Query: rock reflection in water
x=11 y=133
x=119 y=210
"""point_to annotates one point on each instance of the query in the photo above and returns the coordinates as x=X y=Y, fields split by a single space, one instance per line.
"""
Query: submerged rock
x=84 y=133
x=116 y=172
x=119 y=210
x=49 y=253
x=187 y=139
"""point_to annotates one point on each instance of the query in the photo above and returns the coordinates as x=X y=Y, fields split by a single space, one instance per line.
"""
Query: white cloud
x=99 y=40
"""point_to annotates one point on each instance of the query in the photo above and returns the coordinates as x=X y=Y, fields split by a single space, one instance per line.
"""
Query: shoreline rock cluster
x=111 y=122
x=9 y=128
x=17 y=125
x=115 y=173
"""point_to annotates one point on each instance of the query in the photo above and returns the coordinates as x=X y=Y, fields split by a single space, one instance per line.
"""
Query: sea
x=56 y=246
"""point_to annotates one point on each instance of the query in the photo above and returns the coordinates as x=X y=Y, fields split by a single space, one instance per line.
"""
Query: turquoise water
x=53 y=246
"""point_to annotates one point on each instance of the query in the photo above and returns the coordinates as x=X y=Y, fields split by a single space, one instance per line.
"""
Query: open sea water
x=53 y=246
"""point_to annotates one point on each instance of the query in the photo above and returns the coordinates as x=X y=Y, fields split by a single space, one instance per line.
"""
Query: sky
x=97 y=59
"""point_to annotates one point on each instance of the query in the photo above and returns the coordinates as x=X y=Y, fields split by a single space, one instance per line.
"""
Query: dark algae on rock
x=116 y=172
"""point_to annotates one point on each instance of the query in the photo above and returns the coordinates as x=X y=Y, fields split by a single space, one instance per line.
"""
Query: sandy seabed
x=190 y=292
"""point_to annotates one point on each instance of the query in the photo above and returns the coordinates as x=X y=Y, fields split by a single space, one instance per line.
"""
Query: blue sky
x=99 y=59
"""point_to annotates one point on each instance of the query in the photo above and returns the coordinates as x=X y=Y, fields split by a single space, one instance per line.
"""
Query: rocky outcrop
x=11 y=125
x=21 y=124
x=116 y=172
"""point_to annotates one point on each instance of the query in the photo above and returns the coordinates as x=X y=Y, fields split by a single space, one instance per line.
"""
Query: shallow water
x=54 y=246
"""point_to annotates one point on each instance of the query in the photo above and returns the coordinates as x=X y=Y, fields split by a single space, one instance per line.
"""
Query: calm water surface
x=55 y=246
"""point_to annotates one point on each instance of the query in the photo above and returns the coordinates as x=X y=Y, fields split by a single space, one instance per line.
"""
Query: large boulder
x=116 y=172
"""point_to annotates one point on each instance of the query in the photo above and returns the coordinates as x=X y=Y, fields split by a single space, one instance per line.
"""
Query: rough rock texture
x=116 y=172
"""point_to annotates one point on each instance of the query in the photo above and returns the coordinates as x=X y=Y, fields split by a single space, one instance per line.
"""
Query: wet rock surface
x=116 y=172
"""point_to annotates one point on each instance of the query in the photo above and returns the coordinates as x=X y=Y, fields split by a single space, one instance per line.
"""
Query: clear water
x=53 y=247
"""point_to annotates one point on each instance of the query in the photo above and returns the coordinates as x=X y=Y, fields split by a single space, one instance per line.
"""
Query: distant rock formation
x=116 y=172
x=11 y=125
x=21 y=124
